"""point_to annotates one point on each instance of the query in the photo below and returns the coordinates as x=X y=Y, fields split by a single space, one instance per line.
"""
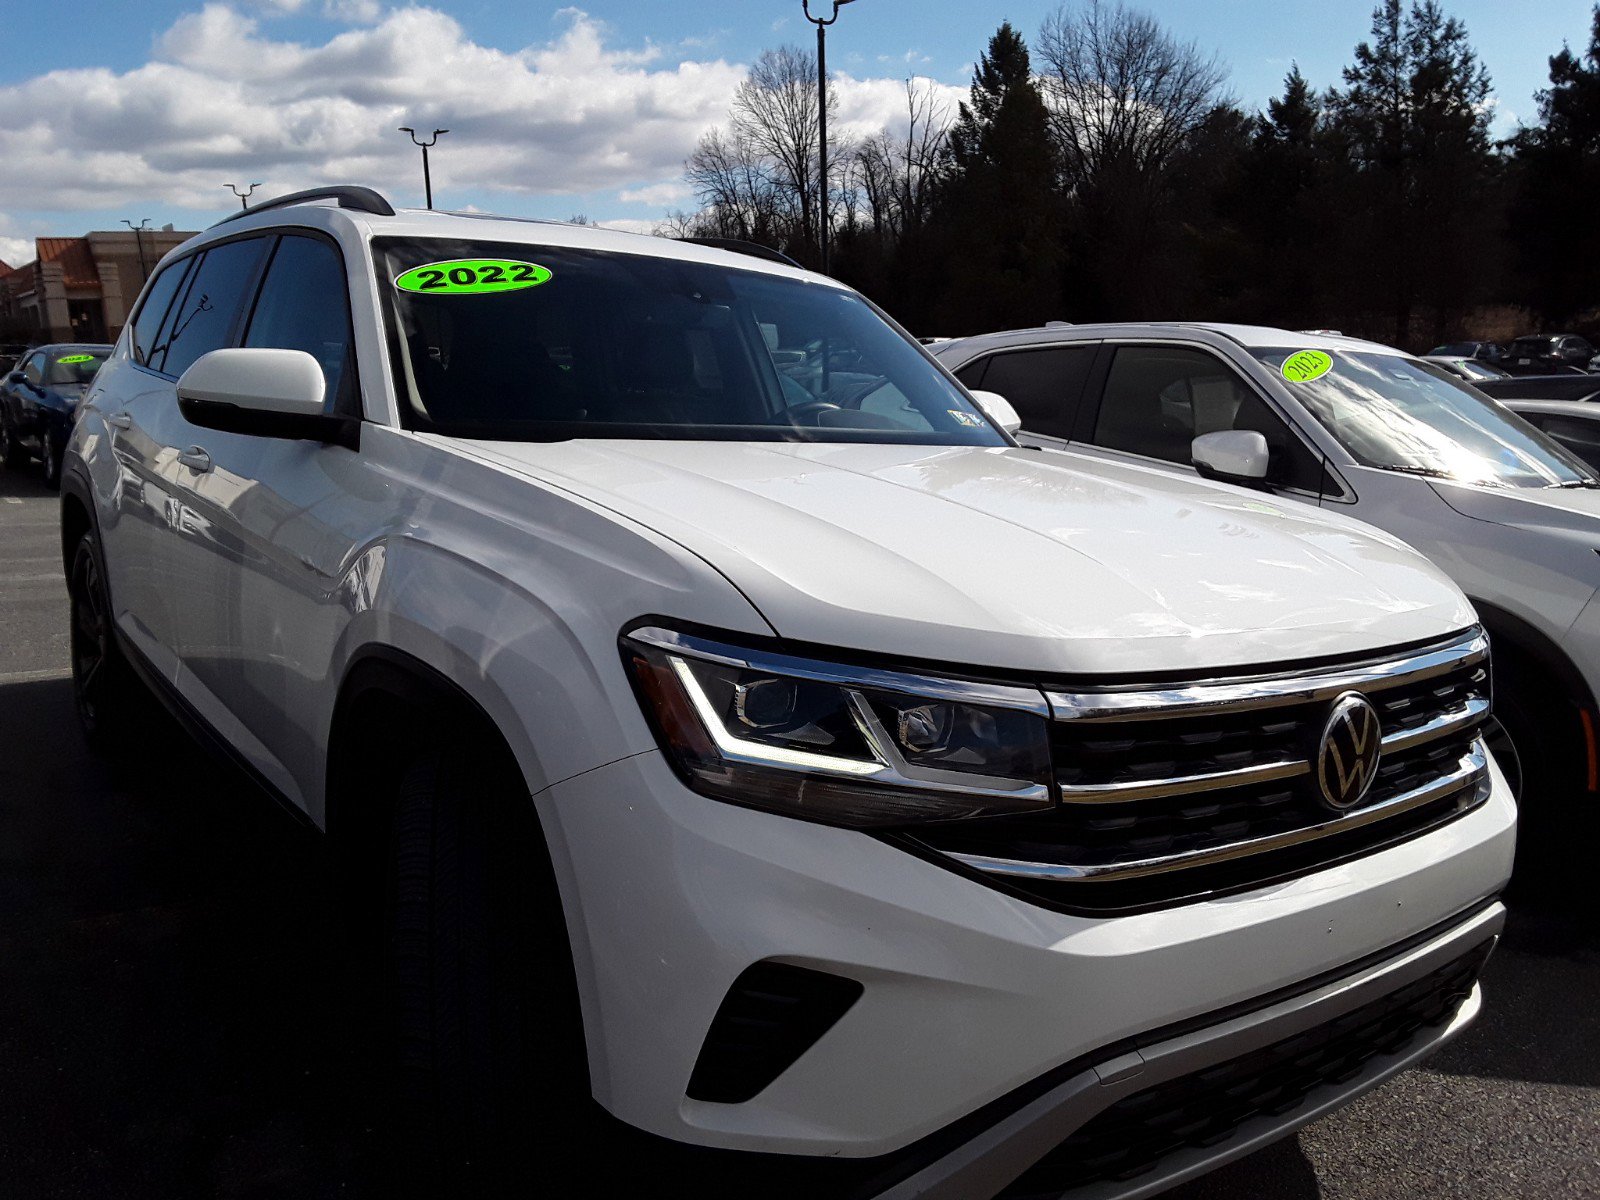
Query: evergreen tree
x=1414 y=116
x=1000 y=225
x=1552 y=228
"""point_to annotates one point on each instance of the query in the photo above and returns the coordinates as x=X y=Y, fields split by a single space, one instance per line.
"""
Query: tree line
x=1105 y=173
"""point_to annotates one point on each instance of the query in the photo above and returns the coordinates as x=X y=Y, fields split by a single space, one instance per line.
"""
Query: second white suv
x=715 y=713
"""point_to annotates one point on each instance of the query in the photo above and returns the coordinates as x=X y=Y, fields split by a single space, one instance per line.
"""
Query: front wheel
x=487 y=1040
x=103 y=685
x=12 y=452
x=53 y=453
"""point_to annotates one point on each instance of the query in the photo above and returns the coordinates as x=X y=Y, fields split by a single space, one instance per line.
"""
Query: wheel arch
x=382 y=689
x=76 y=516
x=1516 y=637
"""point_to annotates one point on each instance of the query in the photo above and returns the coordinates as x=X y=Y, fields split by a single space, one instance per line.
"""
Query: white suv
x=714 y=712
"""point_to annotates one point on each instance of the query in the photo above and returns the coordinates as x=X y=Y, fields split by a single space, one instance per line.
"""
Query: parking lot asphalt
x=171 y=1025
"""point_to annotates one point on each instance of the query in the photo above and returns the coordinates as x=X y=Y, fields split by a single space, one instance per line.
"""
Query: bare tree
x=1123 y=93
x=896 y=170
x=775 y=115
x=738 y=195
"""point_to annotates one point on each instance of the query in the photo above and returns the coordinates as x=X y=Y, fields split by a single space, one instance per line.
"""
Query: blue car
x=39 y=399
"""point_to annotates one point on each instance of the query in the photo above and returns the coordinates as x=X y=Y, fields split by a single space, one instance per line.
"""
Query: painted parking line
x=41 y=676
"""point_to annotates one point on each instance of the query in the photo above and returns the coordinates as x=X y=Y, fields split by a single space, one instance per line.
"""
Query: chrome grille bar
x=1469 y=770
x=1268 y=691
x=1456 y=720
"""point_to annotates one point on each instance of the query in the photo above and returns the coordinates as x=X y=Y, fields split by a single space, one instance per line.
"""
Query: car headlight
x=833 y=742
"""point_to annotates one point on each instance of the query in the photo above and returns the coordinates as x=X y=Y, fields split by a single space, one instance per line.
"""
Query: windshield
x=1403 y=415
x=74 y=366
x=537 y=343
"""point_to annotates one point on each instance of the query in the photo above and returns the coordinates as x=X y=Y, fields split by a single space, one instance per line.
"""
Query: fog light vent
x=771 y=1015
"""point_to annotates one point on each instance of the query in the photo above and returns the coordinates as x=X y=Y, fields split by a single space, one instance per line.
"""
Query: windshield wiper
x=1577 y=483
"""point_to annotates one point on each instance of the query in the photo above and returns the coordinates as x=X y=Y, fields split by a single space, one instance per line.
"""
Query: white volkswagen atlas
x=714 y=712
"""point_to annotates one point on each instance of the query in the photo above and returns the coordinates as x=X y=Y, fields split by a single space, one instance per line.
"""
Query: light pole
x=244 y=197
x=138 y=237
x=822 y=113
x=427 y=179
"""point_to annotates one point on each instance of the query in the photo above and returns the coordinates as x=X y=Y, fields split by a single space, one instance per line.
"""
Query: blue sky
x=147 y=108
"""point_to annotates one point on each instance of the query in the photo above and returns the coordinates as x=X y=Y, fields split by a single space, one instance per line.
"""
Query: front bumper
x=974 y=1000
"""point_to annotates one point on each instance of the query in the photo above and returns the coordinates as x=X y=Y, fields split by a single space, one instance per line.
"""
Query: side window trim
x=1073 y=402
x=181 y=297
x=1089 y=414
x=183 y=266
x=350 y=393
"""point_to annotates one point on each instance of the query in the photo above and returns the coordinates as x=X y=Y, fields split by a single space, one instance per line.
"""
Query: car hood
x=1574 y=510
x=1011 y=558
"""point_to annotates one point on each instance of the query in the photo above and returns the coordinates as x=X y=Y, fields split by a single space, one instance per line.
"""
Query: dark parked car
x=1483 y=351
x=38 y=401
x=1547 y=354
x=1571 y=386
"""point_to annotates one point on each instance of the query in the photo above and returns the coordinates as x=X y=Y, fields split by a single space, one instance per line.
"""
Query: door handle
x=196 y=459
x=120 y=421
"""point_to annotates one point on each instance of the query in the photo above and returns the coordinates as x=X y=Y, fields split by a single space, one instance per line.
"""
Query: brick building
x=79 y=289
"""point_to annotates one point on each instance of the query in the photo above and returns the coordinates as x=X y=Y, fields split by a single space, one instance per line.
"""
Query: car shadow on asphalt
x=166 y=978
x=27 y=482
x=171 y=983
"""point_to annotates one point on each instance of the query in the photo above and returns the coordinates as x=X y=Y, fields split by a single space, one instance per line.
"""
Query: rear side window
x=157 y=300
x=1580 y=436
x=304 y=305
x=1158 y=399
x=204 y=319
x=1042 y=385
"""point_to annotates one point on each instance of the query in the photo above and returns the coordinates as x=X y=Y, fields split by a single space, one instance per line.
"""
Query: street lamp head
x=407 y=129
x=805 y=6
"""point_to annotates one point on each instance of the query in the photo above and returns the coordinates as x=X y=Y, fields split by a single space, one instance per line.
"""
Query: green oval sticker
x=472 y=277
x=1306 y=366
x=75 y=358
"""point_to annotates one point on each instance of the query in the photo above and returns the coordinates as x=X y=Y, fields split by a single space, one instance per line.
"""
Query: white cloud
x=660 y=194
x=630 y=225
x=224 y=99
x=356 y=12
x=15 y=251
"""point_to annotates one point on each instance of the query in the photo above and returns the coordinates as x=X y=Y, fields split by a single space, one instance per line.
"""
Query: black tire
x=104 y=688
x=53 y=452
x=12 y=452
x=487 y=1044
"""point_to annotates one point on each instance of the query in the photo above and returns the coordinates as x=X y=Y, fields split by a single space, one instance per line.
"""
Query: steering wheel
x=810 y=409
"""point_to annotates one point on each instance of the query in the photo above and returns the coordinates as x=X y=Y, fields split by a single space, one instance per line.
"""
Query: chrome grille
x=1157 y=786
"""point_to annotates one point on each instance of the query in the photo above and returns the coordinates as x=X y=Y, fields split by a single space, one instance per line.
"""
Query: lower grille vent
x=771 y=1015
x=1209 y=1107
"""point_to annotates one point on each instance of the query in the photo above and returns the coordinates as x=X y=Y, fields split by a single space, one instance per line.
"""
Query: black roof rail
x=349 y=195
x=753 y=249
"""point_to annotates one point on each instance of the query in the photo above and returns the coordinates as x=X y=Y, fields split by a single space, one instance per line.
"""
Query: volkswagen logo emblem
x=1347 y=755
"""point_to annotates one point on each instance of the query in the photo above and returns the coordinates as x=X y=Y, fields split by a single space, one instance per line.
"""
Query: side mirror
x=15 y=378
x=264 y=393
x=1231 y=455
x=998 y=409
